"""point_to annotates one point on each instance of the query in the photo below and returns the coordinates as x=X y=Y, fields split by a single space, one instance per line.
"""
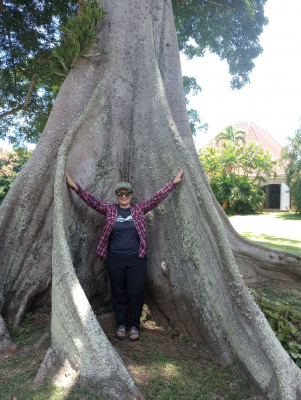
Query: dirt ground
x=164 y=363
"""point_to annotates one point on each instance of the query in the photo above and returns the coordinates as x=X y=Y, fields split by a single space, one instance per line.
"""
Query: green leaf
x=281 y=337
x=286 y=329
x=76 y=37
x=294 y=329
x=274 y=315
x=295 y=355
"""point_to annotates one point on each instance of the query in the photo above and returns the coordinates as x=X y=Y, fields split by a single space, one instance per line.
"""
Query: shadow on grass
x=283 y=244
x=289 y=216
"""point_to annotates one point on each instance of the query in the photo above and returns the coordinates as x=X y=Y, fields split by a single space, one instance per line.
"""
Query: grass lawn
x=165 y=364
x=281 y=231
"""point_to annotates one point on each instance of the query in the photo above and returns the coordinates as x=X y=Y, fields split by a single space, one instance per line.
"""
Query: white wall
x=284 y=196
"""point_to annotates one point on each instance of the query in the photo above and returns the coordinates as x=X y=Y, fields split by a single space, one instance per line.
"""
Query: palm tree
x=231 y=135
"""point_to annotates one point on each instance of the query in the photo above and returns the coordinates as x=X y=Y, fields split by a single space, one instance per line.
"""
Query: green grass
x=17 y=374
x=171 y=366
x=288 y=216
x=166 y=365
x=281 y=231
x=28 y=333
x=279 y=243
x=21 y=386
x=188 y=377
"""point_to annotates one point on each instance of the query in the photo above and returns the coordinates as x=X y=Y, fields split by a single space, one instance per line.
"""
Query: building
x=276 y=190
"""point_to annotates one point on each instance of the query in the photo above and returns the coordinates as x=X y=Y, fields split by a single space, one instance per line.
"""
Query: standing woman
x=123 y=243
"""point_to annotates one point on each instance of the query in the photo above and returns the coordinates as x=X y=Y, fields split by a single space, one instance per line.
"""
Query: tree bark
x=7 y=347
x=123 y=117
x=259 y=263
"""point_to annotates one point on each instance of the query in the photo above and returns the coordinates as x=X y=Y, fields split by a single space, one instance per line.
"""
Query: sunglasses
x=120 y=194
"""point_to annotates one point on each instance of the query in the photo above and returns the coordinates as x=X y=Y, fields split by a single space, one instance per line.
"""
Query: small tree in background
x=235 y=172
x=11 y=163
x=231 y=136
x=291 y=159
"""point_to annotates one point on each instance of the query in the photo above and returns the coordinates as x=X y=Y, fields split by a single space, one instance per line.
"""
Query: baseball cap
x=124 y=185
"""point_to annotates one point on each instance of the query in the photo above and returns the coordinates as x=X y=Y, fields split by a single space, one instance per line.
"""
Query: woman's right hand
x=70 y=182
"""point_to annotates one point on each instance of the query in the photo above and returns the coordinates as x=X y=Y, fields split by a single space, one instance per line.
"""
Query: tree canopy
x=29 y=32
x=231 y=29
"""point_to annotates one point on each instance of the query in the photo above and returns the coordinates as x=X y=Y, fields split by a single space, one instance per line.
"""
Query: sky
x=272 y=99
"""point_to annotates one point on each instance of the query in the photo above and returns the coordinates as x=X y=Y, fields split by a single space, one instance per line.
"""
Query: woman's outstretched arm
x=70 y=182
x=88 y=198
x=148 y=205
x=179 y=177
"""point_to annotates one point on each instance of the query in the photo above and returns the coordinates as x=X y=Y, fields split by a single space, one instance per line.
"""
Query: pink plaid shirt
x=138 y=211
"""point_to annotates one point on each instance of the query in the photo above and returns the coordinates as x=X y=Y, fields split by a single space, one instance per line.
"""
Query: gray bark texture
x=7 y=347
x=122 y=116
x=259 y=263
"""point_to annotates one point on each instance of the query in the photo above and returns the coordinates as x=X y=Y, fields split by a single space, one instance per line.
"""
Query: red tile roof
x=253 y=133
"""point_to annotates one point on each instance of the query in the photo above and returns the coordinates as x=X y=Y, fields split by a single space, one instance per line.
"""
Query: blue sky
x=272 y=99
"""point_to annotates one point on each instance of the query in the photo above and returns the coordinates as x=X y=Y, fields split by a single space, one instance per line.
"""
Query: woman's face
x=124 y=201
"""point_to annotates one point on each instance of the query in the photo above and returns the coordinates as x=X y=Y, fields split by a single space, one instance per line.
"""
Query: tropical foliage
x=285 y=322
x=231 y=135
x=235 y=171
x=11 y=163
x=291 y=159
x=76 y=37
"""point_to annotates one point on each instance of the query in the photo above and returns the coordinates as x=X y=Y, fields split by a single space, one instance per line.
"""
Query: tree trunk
x=123 y=117
x=259 y=263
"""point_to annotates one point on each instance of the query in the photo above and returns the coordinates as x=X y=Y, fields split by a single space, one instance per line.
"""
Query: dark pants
x=127 y=277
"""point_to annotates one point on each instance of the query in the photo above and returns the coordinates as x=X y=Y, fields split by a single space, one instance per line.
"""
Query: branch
x=208 y=1
x=81 y=4
x=14 y=111
x=24 y=106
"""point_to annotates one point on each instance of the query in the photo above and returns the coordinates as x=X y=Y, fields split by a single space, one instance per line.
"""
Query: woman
x=123 y=243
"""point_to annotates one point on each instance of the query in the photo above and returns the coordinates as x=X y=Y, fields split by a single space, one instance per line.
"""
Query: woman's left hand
x=179 y=177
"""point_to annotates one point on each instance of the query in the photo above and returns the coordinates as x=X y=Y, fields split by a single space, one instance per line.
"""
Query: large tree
x=123 y=116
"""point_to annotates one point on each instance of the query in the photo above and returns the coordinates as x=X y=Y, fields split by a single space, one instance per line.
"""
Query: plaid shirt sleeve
x=148 y=205
x=96 y=204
